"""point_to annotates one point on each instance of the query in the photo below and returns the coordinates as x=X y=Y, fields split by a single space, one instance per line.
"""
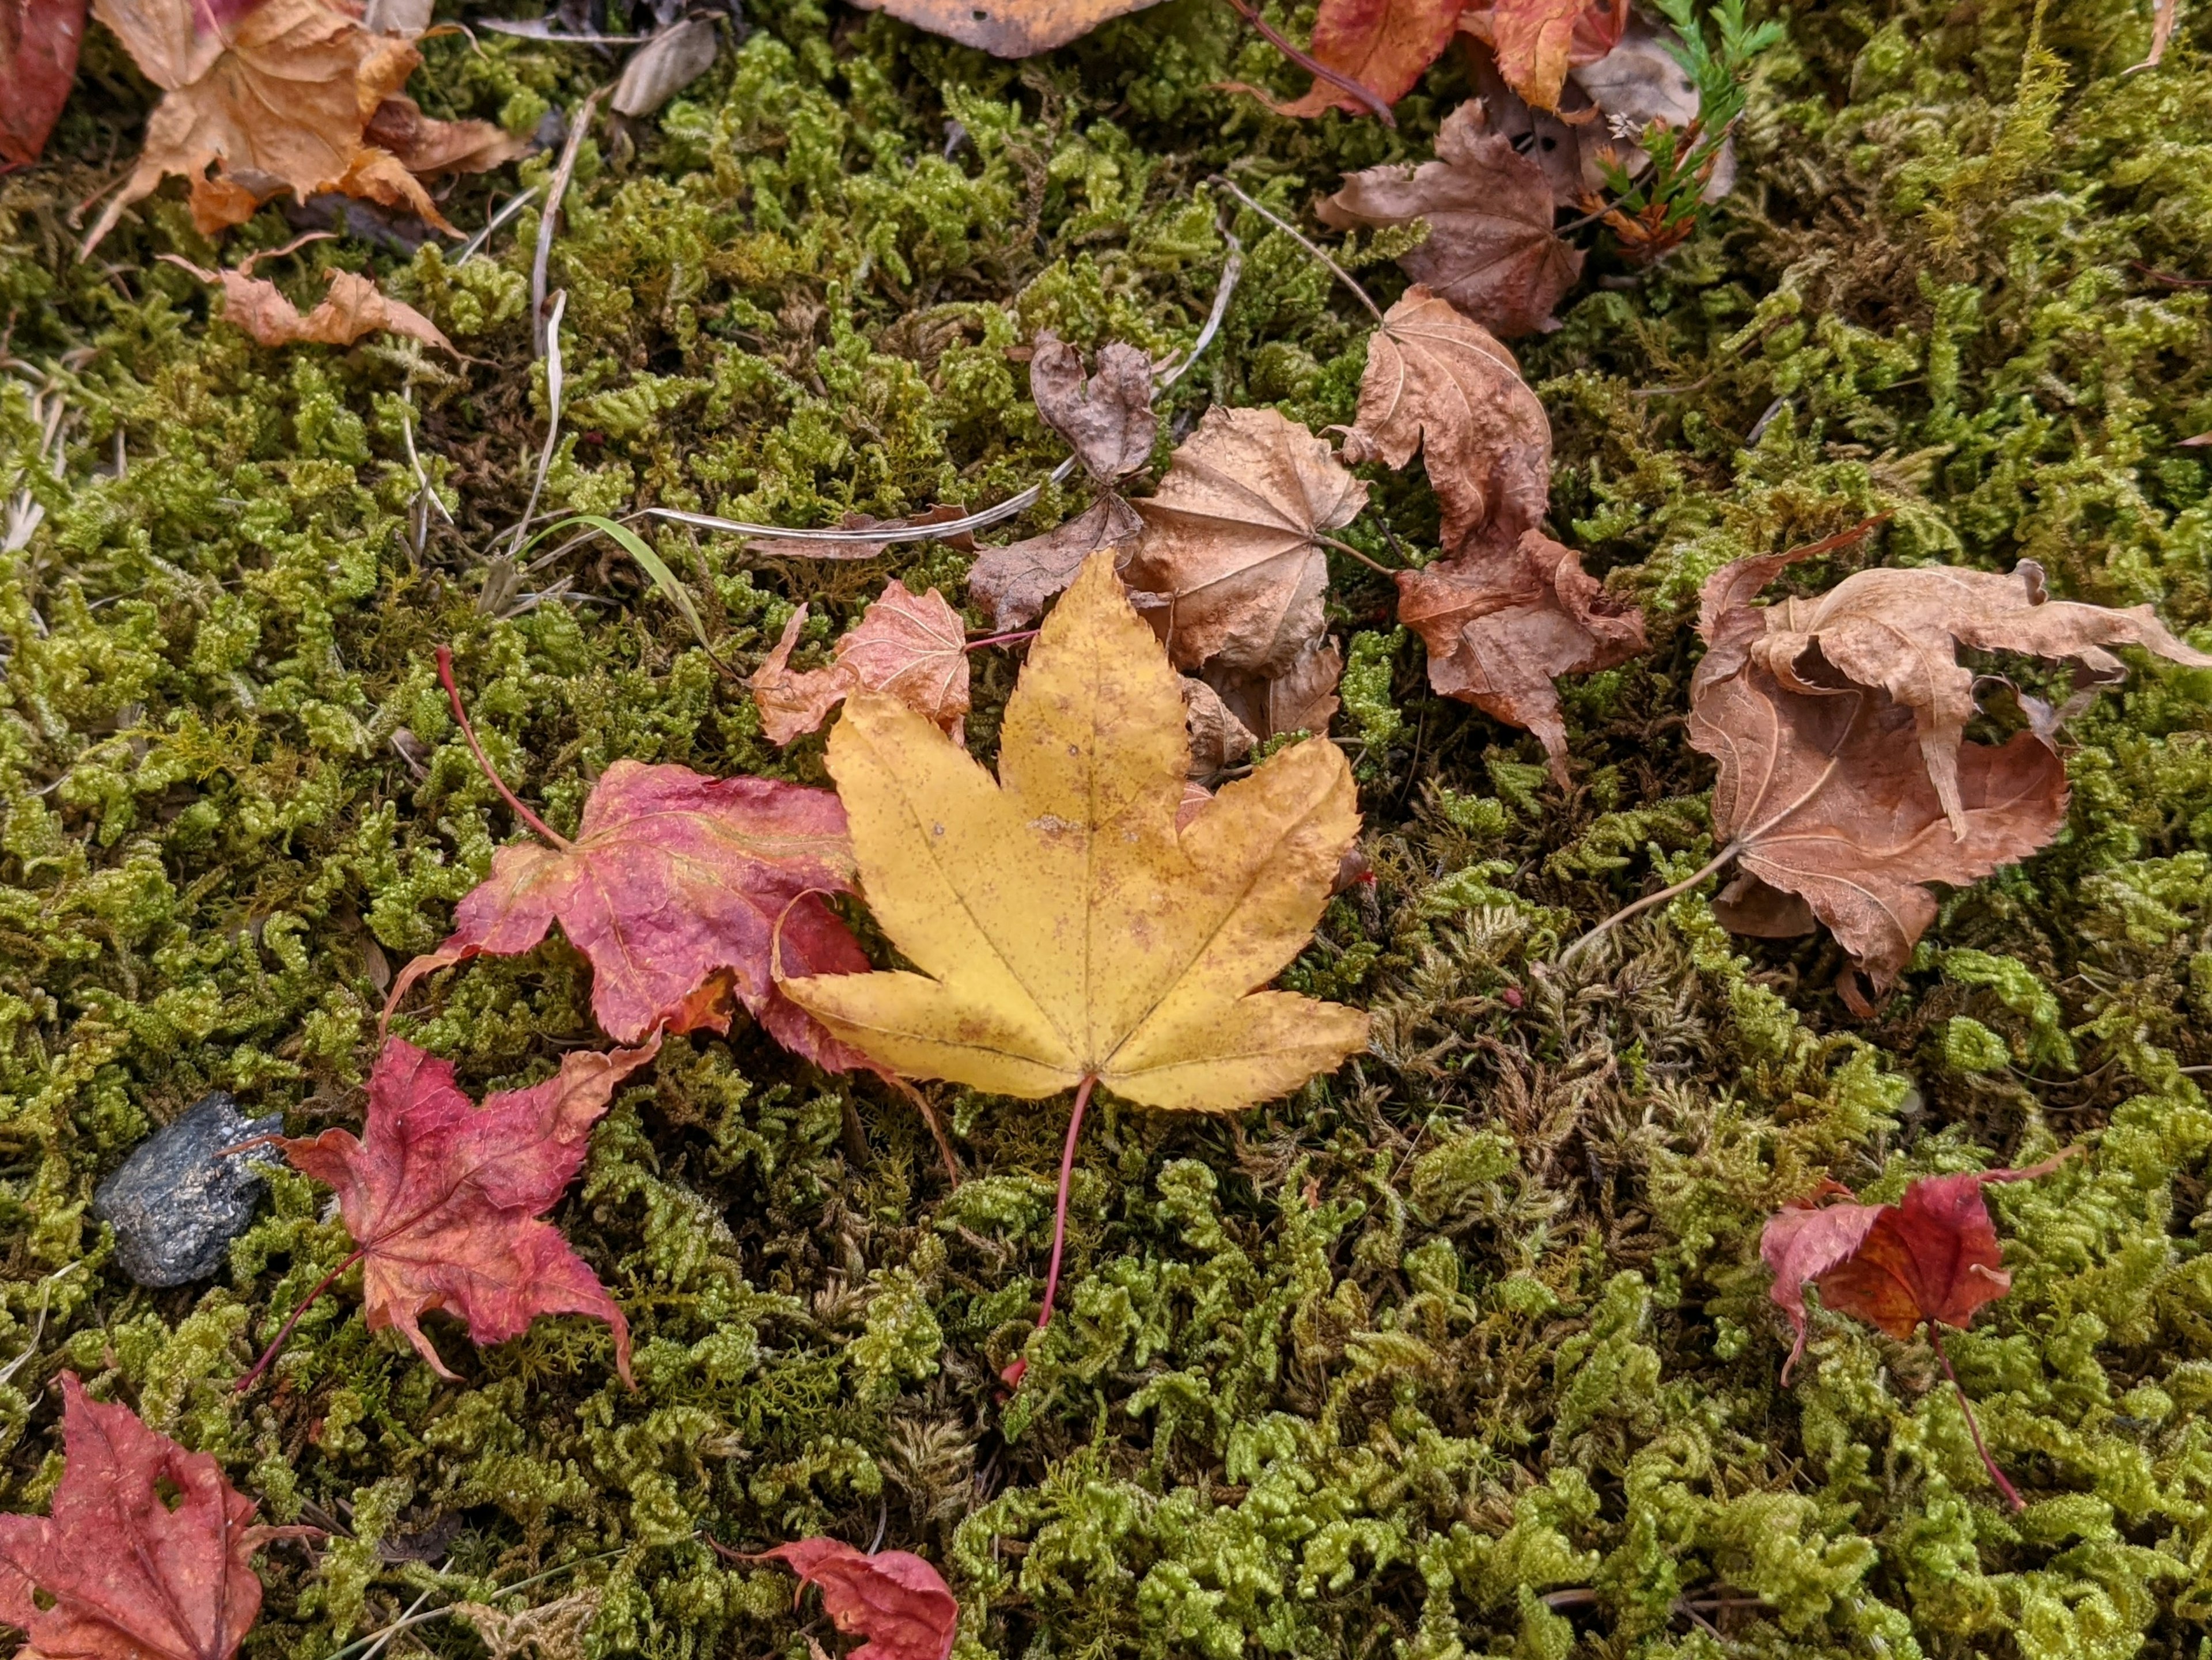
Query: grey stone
x=178 y=1201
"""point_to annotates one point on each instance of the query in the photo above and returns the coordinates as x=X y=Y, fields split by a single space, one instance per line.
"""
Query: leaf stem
x=1347 y=548
x=1313 y=65
x=1016 y=635
x=2011 y=1493
x=1649 y=900
x=1012 y=1374
x=1300 y=238
x=307 y=1302
x=484 y=761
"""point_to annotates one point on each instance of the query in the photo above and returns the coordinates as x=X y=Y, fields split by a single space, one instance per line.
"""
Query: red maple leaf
x=1931 y=1257
x=443 y=1198
x=39 y=42
x=677 y=887
x=146 y=1554
x=894 y=1598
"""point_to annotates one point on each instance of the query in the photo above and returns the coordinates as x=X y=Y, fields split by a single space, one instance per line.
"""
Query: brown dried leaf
x=1012 y=583
x=915 y=647
x=795 y=701
x=1491 y=250
x=1386 y=45
x=1438 y=382
x=1302 y=698
x=426 y=147
x=1008 y=29
x=1900 y=630
x=671 y=60
x=1231 y=569
x=354 y=307
x=1538 y=41
x=1217 y=738
x=1107 y=418
x=1500 y=627
x=1827 y=796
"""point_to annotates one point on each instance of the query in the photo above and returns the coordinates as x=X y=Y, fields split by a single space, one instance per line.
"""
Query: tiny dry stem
x=1313 y=65
x=982 y=640
x=1347 y=548
x=306 y=1303
x=1012 y=1374
x=2011 y=1493
x=1300 y=238
x=484 y=761
x=1649 y=900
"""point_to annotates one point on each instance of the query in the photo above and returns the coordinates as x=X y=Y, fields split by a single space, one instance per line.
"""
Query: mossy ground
x=1366 y=1373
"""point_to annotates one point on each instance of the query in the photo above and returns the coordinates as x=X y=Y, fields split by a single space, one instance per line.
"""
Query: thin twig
x=1313 y=65
x=1299 y=237
x=475 y=245
x=1346 y=548
x=1232 y=270
x=1645 y=903
x=554 y=190
x=549 y=348
x=277 y=1343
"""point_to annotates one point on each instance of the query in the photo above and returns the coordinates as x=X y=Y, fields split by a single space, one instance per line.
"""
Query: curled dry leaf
x=1538 y=41
x=1217 y=738
x=1826 y=796
x=677 y=888
x=1383 y=44
x=1499 y=628
x=893 y=1598
x=278 y=96
x=1012 y=583
x=443 y=1198
x=1491 y=252
x=1008 y=29
x=39 y=43
x=146 y=1553
x=1231 y=570
x=428 y=148
x=913 y=646
x=671 y=60
x=1302 y=698
x=1933 y=1256
x=1438 y=382
x=1066 y=933
x=1900 y=630
x=354 y=307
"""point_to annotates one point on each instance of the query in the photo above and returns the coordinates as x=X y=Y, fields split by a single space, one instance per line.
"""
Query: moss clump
x=1465 y=1350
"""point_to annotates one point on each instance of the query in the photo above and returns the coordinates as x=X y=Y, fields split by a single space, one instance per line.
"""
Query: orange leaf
x=1538 y=41
x=354 y=307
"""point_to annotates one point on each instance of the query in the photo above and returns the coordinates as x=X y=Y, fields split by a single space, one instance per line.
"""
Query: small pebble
x=177 y=1202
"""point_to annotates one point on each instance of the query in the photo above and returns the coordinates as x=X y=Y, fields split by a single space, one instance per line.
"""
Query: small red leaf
x=896 y=1600
x=443 y=1196
x=116 y=1573
x=39 y=42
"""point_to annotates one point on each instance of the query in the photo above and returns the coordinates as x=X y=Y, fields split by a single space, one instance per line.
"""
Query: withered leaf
x=1107 y=418
x=1217 y=738
x=146 y=1553
x=1491 y=250
x=1900 y=630
x=39 y=42
x=1231 y=569
x=354 y=307
x=1012 y=583
x=671 y=60
x=1438 y=382
x=1827 y=796
x=1302 y=698
x=427 y=147
x=443 y=1198
x=893 y=1598
x=1538 y=41
x=1500 y=627
x=1383 y=44
x=913 y=646
x=1008 y=29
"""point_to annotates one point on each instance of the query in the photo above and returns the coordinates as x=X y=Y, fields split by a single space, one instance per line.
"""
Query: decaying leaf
x=1008 y=29
x=1217 y=738
x=147 y=1552
x=1383 y=44
x=39 y=43
x=671 y=60
x=1500 y=626
x=1064 y=931
x=1933 y=1256
x=1302 y=698
x=893 y=1598
x=1012 y=583
x=428 y=148
x=1827 y=795
x=1538 y=41
x=1438 y=382
x=913 y=646
x=1491 y=252
x=549 y=1631
x=278 y=97
x=1231 y=570
x=1900 y=630
x=443 y=1198
x=1106 y=417
x=676 y=887
x=354 y=307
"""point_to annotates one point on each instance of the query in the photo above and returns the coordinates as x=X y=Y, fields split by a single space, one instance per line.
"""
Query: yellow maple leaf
x=1067 y=935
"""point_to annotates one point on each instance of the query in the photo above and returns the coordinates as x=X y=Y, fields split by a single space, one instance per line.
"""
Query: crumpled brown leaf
x=354 y=307
x=1500 y=627
x=39 y=42
x=1827 y=797
x=1217 y=738
x=1438 y=382
x=1231 y=570
x=1108 y=420
x=427 y=148
x=913 y=646
x=1302 y=698
x=1900 y=630
x=1538 y=41
x=279 y=98
x=1491 y=250
x=671 y=60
